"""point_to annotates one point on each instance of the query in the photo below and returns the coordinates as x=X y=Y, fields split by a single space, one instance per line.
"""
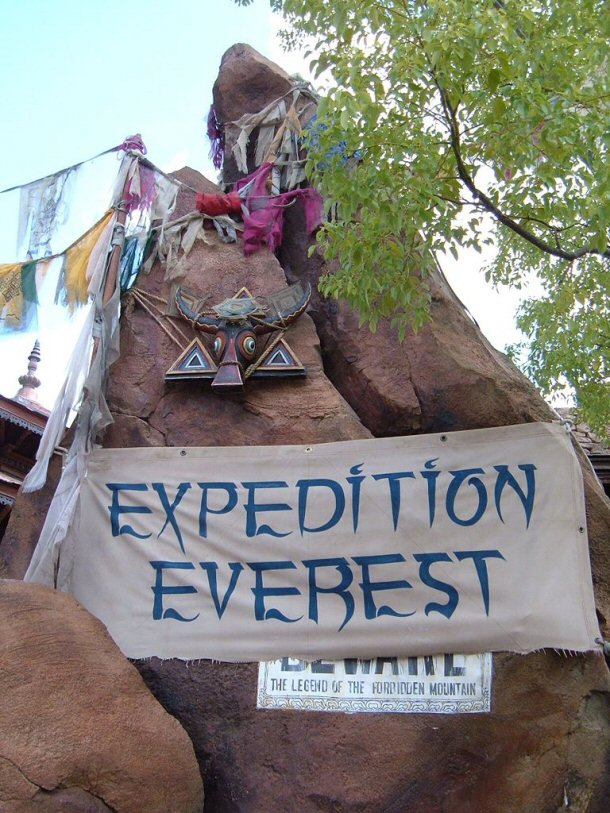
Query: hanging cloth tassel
x=131 y=260
x=77 y=369
x=264 y=213
x=216 y=134
x=53 y=557
x=141 y=189
x=97 y=259
x=166 y=195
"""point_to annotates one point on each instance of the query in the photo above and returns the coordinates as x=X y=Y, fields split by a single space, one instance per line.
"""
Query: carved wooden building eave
x=596 y=449
x=26 y=414
x=21 y=426
x=601 y=465
x=22 y=422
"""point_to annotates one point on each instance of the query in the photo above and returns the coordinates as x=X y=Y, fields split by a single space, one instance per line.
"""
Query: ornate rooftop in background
x=597 y=451
x=22 y=422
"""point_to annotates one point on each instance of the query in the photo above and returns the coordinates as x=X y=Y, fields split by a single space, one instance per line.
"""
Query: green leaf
x=498 y=107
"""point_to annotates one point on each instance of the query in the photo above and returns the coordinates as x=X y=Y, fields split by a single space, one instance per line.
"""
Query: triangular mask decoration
x=279 y=359
x=194 y=362
x=240 y=326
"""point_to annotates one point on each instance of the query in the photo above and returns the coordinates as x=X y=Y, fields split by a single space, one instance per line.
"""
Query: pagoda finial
x=29 y=382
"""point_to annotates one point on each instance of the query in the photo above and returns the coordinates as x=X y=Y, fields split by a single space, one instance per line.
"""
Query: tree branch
x=489 y=205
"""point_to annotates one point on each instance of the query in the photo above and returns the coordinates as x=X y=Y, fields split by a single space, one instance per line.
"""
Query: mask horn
x=284 y=318
x=208 y=324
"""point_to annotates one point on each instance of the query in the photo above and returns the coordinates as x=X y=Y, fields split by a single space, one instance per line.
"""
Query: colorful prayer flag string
x=19 y=282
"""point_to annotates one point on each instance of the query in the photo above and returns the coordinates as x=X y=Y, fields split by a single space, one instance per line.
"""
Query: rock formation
x=234 y=97
x=547 y=738
x=80 y=732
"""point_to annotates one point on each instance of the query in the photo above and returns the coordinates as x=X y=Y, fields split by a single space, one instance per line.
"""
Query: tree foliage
x=466 y=112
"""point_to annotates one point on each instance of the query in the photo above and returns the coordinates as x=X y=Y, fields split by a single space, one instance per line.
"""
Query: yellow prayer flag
x=14 y=311
x=77 y=259
x=11 y=295
x=8 y=268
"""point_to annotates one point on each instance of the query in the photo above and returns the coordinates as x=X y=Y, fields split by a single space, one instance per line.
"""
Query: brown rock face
x=233 y=97
x=265 y=81
x=74 y=800
x=80 y=731
x=549 y=726
x=446 y=377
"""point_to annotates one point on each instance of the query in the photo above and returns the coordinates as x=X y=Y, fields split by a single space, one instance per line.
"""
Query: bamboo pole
x=115 y=255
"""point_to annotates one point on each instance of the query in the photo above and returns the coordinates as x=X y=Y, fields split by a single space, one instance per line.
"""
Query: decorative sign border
x=428 y=685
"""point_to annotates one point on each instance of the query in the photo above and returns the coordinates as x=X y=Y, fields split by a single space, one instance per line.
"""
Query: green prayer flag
x=28 y=283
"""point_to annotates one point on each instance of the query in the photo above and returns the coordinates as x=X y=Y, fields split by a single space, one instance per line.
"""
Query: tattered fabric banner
x=85 y=378
x=73 y=285
x=18 y=296
x=217 y=138
x=465 y=542
x=264 y=214
x=83 y=266
x=279 y=125
x=43 y=208
x=131 y=144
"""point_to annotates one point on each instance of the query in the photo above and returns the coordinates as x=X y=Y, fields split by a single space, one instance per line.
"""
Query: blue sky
x=78 y=76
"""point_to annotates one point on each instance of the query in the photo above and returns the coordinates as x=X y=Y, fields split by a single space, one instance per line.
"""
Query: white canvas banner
x=462 y=542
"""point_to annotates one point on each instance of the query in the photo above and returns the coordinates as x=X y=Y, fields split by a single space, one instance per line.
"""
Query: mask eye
x=248 y=346
x=218 y=345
